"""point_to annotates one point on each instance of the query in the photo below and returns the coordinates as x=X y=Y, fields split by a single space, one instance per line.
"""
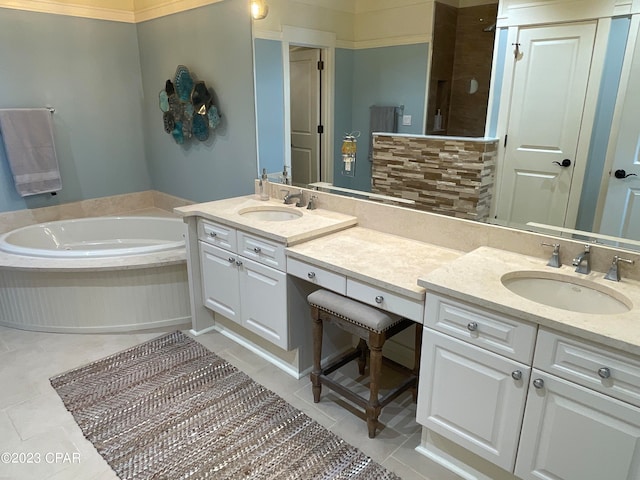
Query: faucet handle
x=554 y=261
x=614 y=271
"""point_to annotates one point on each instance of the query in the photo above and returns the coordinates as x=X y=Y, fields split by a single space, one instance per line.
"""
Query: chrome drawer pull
x=538 y=383
x=516 y=375
x=212 y=234
x=604 y=372
x=379 y=299
x=472 y=326
x=311 y=274
x=257 y=249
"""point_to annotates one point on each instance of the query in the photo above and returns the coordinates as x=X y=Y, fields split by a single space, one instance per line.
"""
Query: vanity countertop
x=476 y=278
x=381 y=259
x=311 y=224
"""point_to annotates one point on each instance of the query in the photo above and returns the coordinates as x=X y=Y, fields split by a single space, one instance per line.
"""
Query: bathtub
x=104 y=274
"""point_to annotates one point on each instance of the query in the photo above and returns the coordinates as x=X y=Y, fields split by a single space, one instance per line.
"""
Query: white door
x=305 y=115
x=264 y=302
x=621 y=214
x=220 y=288
x=572 y=433
x=545 y=112
x=470 y=396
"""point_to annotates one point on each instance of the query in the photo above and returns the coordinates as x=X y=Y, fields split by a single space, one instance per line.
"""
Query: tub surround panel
x=486 y=266
x=447 y=175
x=94 y=301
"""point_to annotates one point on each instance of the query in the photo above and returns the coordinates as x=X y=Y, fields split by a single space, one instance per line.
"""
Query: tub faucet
x=582 y=261
x=288 y=198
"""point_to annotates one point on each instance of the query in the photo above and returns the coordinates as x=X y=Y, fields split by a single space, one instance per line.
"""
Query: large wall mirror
x=431 y=61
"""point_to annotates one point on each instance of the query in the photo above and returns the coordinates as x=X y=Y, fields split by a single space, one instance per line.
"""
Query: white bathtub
x=105 y=274
x=95 y=237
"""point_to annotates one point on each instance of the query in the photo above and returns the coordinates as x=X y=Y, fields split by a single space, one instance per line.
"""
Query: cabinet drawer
x=594 y=366
x=261 y=250
x=385 y=300
x=500 y=334
x=217 y=234
x=318 y=276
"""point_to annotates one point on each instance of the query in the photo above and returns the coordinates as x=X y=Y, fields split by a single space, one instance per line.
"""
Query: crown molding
x=170 y=7
x=59 y=8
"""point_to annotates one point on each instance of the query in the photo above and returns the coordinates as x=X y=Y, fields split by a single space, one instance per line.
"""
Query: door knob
x=622 y=174
x=565 y=163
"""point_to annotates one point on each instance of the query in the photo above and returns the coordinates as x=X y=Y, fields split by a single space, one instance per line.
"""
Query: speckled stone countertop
x=381 y=259
x=476 y=278
x=311 y=224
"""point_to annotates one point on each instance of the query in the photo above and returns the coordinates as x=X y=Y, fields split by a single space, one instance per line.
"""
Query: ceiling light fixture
x=259 y=9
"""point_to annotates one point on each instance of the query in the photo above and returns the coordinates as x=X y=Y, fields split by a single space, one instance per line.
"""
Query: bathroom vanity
x=510 y=388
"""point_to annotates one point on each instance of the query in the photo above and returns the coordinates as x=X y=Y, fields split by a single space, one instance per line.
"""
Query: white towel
x=28 y=141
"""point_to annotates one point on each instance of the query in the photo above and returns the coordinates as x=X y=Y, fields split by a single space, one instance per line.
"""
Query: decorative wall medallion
x=187 y=107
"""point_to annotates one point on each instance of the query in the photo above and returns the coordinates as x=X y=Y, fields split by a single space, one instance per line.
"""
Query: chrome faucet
x=554 y=261
x=614 y=272
x=288 y=198
x=312 y=202
x=582 y=261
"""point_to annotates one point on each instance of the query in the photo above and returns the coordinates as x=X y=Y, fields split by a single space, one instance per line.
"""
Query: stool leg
x=316 y=386
x=362 y=359
x=416 y=360
x=376 y=340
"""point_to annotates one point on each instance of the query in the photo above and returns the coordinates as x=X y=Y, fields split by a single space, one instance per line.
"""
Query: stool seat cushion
x=354 y=311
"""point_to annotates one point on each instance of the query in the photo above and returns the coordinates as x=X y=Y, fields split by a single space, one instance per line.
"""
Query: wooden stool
x=374 y=327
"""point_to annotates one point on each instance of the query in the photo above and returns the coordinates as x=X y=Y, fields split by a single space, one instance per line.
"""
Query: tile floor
x=33 y=421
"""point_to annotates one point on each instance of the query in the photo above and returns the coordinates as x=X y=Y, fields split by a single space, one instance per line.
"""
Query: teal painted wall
x=401 y=82
x=269 y=75
x=214 y=42
x=103 y=79
x=89 y=71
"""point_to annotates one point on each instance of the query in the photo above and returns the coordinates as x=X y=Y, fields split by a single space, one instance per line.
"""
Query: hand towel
x=28 y=142
x=382 y=119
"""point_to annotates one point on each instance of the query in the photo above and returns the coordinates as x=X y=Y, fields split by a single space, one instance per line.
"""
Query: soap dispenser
x=264 y=185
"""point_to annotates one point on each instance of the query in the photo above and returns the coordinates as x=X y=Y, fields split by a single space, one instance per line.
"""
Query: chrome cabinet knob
x=379 y=299
x=472 y=326
x=538 y=383
x=311 y=274
x=516 y=375
x=238 y=263
x=257 y=249
x=604 y=372
x=231 y=259
x=212 y=234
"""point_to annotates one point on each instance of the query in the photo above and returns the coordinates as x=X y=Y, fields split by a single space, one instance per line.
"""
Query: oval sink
x=270 y=213
x=565 y=292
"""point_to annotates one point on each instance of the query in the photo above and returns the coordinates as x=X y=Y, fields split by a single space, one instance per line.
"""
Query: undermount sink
x=565 y=292
x=271 y=213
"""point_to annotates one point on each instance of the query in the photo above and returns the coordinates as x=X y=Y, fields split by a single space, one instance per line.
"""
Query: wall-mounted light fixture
x=259 y=9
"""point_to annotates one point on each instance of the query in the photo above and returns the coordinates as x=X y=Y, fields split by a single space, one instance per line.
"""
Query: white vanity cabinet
x=470 y=391
x=243 y=279
x=571 y=431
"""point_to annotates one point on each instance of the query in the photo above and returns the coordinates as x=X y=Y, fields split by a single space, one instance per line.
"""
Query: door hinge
x=505 y=140
x=320 y=65
x=320 y=128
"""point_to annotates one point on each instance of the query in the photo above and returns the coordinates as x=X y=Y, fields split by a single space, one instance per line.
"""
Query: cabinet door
x=472 y=397
x=220 y=289
x=572 y=433
x=264 y=302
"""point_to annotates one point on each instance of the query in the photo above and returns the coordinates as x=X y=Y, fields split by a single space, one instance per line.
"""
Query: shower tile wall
x=451 y=177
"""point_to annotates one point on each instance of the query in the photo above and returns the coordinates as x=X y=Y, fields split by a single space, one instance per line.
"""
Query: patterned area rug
x=170 y=409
